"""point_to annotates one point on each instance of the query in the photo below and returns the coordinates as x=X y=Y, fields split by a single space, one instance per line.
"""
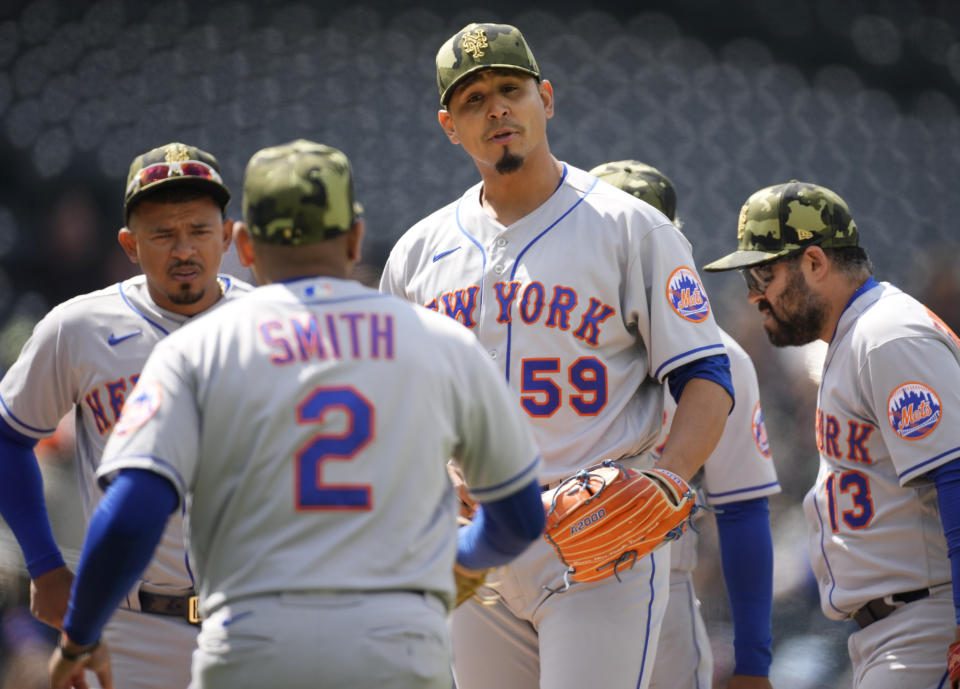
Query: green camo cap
x=644 y=181
x=298 y=193
x=783 y=219
x=481 y=46
x=169 y=165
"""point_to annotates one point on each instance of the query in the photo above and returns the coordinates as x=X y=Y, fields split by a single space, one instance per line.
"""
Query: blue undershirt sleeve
x=22 y=504
x=124 y=531
x=746 y=555
x=502 y=529
x=715 y=368
x=947 y=479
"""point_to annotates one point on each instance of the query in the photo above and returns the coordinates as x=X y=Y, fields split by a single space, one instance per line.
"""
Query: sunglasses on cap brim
x=158 y=172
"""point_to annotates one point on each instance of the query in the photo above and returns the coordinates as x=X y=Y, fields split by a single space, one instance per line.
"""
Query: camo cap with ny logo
x=786 y=218
x=481 y=46
x=174 y=164
x=299 y=193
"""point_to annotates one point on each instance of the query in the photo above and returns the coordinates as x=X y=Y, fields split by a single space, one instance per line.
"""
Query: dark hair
x=852 y=260
x=172 y=194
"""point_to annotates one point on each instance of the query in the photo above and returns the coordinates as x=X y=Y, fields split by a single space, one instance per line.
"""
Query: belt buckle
x=193 y=610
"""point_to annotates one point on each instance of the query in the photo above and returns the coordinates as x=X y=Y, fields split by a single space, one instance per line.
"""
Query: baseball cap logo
x=913 y=410
x=687 y=296
x=474 y=43
x=177 y=153
x=742 y=221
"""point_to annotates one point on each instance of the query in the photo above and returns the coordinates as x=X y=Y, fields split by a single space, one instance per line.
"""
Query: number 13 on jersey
x=310 y=491
x=848 y=500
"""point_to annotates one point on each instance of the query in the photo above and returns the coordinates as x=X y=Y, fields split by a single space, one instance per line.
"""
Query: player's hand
x=748 y=682
x=70 y=674
x=467 y=506
x=49 y=596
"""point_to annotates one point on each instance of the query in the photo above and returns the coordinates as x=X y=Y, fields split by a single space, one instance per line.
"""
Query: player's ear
x=128 y=242
x=446 y=122
x=244 y=244
x=815 y=261
x=546 y=97
x=355 y=240
x=228 y=227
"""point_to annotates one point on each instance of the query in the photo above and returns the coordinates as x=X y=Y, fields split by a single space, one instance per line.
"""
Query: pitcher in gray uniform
x=85 y=357
x=884 y=514
x=589 y=302
x=308 y=429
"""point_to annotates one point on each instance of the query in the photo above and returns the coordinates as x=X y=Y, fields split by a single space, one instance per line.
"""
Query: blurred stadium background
x=725 y=98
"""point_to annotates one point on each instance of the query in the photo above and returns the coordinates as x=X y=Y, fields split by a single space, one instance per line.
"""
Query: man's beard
x=509 y=162
x=185 y=297
x=803 y=314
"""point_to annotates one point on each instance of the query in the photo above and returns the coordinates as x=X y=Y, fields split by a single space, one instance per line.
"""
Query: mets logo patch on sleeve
x=137 y=411
x=913 y=410
x=759 y=430
x=687 y=296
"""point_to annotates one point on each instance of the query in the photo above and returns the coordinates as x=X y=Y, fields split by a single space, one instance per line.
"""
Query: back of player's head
x=173 y=166
x=784 y=219
x=644 y=181
x=298 y=193
x=477 y=47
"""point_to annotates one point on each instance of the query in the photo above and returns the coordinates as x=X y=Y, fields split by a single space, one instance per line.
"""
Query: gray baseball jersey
x=308 y=428
x=585 y=304
x=891 y=381
x=87 y=354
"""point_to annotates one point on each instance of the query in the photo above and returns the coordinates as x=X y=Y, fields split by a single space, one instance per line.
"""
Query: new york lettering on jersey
x=529 y=302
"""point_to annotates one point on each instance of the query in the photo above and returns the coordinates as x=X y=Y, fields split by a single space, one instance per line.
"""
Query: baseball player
x=736 y=480
x=86 y=356
x=588 y=302
x=884 y=514
x=322 y=523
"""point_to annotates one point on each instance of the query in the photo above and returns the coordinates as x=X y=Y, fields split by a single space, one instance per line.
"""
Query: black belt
x=879 y=608
x=185 y=605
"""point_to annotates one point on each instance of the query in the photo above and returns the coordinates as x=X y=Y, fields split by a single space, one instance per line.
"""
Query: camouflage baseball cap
x=784 y=219
x=644 y=181
x=174 y=164
x=481 y=46
x=298 y=193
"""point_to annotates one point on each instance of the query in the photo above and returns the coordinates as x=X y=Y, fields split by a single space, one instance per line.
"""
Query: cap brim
x=741 y=259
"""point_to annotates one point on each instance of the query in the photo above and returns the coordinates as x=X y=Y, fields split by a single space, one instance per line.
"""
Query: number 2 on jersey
x=311 y=493
x=857 y=485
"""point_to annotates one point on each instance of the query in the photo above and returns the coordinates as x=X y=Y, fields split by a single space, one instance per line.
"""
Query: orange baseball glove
x=603 y=518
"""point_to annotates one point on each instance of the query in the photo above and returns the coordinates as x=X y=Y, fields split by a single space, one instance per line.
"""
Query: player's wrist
x=75 y=652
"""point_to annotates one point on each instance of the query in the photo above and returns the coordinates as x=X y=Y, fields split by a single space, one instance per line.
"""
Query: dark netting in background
x=723 y=97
